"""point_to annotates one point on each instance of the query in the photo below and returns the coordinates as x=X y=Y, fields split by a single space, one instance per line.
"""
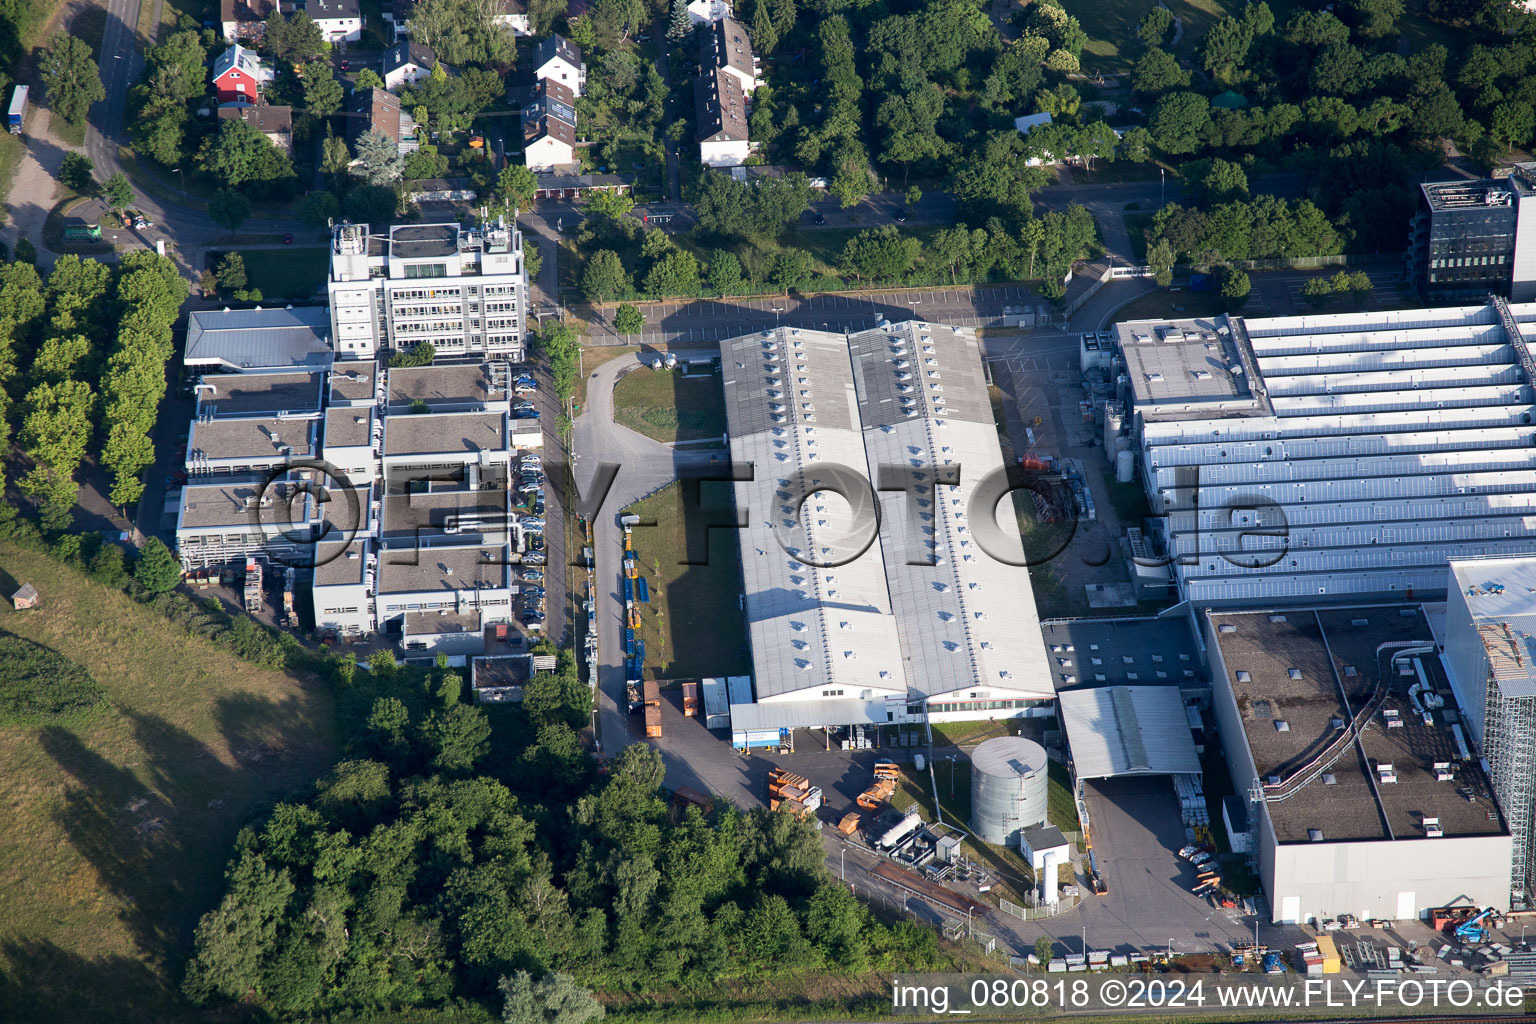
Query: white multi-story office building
x=461 y=288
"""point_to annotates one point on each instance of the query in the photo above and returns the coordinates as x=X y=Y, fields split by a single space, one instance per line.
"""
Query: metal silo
x=1008 y=788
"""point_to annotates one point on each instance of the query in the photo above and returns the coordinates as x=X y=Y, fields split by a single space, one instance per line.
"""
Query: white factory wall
x=1382 y=879
x=1466 y=662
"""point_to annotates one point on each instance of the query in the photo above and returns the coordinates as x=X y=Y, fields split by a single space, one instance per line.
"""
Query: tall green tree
x=71 y=77
x=604 y=276
x=378 y=158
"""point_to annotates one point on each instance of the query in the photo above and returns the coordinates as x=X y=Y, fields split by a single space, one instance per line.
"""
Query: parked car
x=288 y=238
x=900 y=215
x=533 y=620
x=533 y=521
x=533 y=558
x=820 y=218
x=523 y=406
x=526 y=414
x=532 y=593
x=533 y=575
x=538 y=504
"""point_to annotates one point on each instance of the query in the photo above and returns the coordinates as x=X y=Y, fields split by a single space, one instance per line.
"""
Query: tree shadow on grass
x=160 y=831
x=40 y=983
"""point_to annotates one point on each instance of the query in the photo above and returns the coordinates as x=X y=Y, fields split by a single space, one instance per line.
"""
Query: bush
x=158 y=570
x=39 y=686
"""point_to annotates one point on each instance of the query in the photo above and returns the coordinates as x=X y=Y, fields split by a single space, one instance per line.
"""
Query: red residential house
x=238 y=75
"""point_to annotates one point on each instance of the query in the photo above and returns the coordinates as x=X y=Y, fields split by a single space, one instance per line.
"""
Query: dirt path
x=35 y=188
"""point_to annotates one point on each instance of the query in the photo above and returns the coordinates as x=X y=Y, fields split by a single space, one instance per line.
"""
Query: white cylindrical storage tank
x=1125 y=466
x=901 y=830
x=1113 y=420
x=1008 y=788
x=1048 y=880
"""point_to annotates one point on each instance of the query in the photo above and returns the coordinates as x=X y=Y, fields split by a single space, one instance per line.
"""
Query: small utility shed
x=1128 y=730
x=26 y=597
x=758 y=725
x=1038 y=840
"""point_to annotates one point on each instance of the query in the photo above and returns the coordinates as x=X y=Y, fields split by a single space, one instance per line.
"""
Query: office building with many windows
x=463 y=289
x=1472 y=238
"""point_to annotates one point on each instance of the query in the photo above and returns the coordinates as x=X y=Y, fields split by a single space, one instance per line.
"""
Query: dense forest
x=426 y=872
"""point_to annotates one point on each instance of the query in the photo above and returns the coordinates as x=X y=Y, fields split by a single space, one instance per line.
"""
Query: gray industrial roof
x=864 y=620
x=243 y=339
x=354 y=380
x=443 y=385
x=1287 y=670
x=348 y=426
x=260 y=394
x=1380 y=445
x=430 y=433
x=261 y=441
x=340 y=563
x=252 y=504
x=1188 y=361
x=1501 y=595
x=1128 y=730
x=790 y=408
x=457 y=509
x=414 y=568
x=345 y=512
x=1100 y=652
x=439 y=623
x=964 y=608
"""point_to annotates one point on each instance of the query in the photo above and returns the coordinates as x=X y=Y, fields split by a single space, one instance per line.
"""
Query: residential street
x=34 y=191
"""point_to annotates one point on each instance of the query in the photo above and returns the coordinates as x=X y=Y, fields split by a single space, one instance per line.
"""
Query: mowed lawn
x=668 y=407
x=1111 y=27
x=286 y=273
x=114 y=833
x=693 y=625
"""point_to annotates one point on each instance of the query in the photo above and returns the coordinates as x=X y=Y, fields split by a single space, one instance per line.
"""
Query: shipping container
x=18 y=109
x=652 y=690
x=653 y=721
x=691 y=699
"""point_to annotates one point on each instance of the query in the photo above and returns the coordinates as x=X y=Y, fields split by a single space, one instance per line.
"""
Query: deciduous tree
x=72 y=79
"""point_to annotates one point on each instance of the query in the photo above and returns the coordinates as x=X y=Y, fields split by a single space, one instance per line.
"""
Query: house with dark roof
x=244 y=20
x=557 y=58
x=722 y=119
x=407 y=63
x=725 y=45
x=238 y=75
x=381 y=111
x=340 y=21
x=276 y=123
x=549 y=127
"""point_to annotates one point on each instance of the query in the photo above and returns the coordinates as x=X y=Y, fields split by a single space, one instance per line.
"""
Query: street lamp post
x=183 y=178
x=777 y=313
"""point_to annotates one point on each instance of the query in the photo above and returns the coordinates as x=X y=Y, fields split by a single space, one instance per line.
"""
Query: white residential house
x=407 y=63
x=513 y=15
x=722 y=119
x=707 y=12
x=549 y=128
x=1028 y=123
x=726 y=46
x=558 y=59
x=340 y=21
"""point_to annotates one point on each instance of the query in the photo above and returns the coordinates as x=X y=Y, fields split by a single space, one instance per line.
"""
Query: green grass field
x=1111 y=26
x=669 y=407
x=693 y=625
x=116 y=830
x=286 y=273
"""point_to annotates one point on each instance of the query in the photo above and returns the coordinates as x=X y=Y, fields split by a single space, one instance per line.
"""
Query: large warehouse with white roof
x=908 y=608
x=1335 y=456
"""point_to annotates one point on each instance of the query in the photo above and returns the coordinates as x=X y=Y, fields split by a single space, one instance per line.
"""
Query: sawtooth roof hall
x=955 y=635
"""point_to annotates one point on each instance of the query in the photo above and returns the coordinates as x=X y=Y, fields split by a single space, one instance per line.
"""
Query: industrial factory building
x=1490 y=655
x=1342 y=733
x=873 y=568
x=1325 y=458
